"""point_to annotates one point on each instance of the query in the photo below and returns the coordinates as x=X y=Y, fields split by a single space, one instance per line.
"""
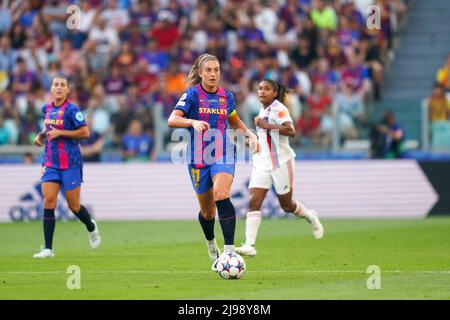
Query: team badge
x=79 y=116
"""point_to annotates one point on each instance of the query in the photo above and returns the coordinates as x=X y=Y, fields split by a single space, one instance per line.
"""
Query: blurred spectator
x=69 y=58
x=137 y=145
x=4 y=132
x=350 y=109
x=35 y=58
x=357 y=75
x=91 y=148
x=165 y=32
x=121 y=120
x=125 y=50
x=23 y=79
x=115 y=17
x=443 y=75
x=8 y=55
x=27 y=158
x=304 y=54
x=387 y=138
x=323 y=15
x=106 y=40
x=438 y=105
x=308 y=127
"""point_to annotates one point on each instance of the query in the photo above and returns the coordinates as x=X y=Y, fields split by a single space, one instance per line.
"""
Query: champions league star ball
x=231 y=266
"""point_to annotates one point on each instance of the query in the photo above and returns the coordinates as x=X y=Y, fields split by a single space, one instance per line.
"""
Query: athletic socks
x=207 y=226
x=84 y=217
x=227 y=219
x=49 y=227
x=251 y=227
x=302 y=212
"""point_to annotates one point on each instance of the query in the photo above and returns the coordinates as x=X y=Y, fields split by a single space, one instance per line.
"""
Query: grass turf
x=168 y=260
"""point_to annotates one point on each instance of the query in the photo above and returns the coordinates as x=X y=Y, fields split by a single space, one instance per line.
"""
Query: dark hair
x=279 y=88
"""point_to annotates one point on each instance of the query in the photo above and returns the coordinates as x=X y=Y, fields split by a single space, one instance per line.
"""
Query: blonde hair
x=193 y=77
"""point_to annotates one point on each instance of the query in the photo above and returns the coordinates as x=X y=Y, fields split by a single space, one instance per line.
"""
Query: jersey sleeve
x=76 y=118
x=186 y=102
x=282 y=115
x=231 y=105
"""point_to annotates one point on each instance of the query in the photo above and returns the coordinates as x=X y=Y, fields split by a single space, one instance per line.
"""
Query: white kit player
x=274 y=165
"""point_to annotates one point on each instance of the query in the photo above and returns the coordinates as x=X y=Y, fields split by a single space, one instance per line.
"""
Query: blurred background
x=127 y=61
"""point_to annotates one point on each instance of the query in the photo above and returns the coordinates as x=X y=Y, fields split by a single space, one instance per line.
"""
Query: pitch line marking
x=208 y=271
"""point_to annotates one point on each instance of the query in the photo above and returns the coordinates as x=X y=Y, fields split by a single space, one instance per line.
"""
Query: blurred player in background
x=62 y=165
x=205 y=106
x=274 y=165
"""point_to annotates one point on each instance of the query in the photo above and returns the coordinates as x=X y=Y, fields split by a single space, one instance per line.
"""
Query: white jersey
x=275 y=148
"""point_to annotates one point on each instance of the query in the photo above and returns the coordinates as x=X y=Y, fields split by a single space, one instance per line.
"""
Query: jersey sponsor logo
x=213 y=111
x=58 y=122
x=79 y=116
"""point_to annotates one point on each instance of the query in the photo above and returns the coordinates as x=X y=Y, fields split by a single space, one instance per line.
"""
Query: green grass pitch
x=168 y=260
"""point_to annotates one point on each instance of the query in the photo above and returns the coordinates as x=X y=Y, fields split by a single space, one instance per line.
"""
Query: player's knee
x=221 y=195
x=74 y=207
x=254 y=203
x=209 y=214
x=288 y=207
x=49 y=202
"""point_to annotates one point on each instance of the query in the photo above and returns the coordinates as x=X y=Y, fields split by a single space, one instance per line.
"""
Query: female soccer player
x=205 y=108
x=274 y=165
x=62 y=164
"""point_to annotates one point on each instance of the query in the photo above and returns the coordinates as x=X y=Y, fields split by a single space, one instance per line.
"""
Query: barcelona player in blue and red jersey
x=62 y=165
x=207 y=110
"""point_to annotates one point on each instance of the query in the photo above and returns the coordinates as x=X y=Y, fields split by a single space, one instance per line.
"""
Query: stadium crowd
x=127 y=61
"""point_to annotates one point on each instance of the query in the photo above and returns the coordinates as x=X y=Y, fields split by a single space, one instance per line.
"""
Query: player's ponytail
x=279 y=88
x=193 y=77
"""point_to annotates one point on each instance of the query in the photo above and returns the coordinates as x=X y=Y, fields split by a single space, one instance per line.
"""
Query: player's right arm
x=41 y=135
x=178 y=118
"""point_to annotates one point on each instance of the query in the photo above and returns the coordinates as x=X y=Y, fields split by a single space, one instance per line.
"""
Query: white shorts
x=282 y=178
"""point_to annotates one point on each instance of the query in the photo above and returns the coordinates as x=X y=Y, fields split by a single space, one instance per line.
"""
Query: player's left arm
x=286 y=128
x=80 y=133
x=283 y=123
x=77 y=121
x=236 y=123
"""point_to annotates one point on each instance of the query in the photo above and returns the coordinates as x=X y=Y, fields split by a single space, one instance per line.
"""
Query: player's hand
x=253 y=144
x=199 y=126
x=38 y=140
x=261 y=123
x=53 y=134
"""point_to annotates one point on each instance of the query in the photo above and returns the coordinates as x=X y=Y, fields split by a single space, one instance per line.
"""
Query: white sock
x=303 y=212
x=211 y=241
x=251 y=227
x=228 y=248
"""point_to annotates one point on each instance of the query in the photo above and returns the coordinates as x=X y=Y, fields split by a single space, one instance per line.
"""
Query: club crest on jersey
x=221 y=101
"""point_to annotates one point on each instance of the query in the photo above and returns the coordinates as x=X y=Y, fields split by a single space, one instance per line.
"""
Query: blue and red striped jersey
x=62 y=152
x=214 y=108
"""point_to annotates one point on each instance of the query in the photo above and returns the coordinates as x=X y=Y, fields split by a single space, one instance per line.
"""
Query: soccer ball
x=231 y=266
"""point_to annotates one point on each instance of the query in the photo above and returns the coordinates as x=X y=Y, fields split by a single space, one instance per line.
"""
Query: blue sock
x=207 y=226
x=84 y=217
x=227 y=219
x=49 y=227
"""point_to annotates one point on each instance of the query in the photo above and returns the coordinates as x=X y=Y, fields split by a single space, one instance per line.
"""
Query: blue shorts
x=69 y=179
x=202 y=178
